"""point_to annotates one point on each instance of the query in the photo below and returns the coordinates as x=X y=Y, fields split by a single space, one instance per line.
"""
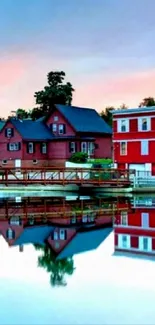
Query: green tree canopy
x=148 y=101
x=56 y=92
x=57 y=268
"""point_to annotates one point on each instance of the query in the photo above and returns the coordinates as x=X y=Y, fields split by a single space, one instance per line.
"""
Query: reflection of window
x=124 y=241
x=15 y=221
x=61 y=128
x=30 y=147
x=145 y=243
x=84 y=219
x=10 y=234
x=124 y=218
x=60 y=234
x=55 y=235
x=14 y=146
x=44 y=147
x=123 y=148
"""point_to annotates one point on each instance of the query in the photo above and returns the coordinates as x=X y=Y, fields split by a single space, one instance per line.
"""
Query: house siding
x=104 y=147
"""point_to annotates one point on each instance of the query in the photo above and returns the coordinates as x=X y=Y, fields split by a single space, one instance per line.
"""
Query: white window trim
x=62 y=234
x=84 y=147
x=144 y=145
x=141 y=246
x=72 y=147
x=125 y=148
x=54 y=127
x=9 y=132
x=14 y=146
x=124 y=214
x=119 y=125
x=44 y=148
x=140 y=120
x=30 y=145
x=120 y=241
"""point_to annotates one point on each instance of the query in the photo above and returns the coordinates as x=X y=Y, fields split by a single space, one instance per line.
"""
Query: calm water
x=77 y=279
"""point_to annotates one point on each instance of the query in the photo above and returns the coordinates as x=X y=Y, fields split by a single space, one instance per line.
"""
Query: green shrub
x=79 y=157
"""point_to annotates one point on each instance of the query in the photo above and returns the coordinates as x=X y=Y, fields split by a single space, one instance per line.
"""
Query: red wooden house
x=54 y=138
x=134 y=231
x=134 y=139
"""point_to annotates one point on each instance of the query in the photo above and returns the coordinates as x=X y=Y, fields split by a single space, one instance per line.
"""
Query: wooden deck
x=65 y=176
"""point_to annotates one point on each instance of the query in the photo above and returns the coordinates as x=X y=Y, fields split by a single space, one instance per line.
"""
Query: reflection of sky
x=103 y=290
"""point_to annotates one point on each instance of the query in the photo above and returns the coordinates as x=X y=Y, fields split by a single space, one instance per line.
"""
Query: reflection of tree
x=57 y=268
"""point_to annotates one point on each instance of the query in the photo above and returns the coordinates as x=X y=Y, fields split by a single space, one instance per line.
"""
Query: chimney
x=21 y=248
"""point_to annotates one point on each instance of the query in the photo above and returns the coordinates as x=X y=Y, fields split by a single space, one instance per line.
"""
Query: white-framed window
x=84 y=147
x=145 y=243
x=44 y=147
x=61 y=128
x=144 y=124
x=144 y=147
x=10 y=233
x=72 y=147
x=55 y=235
x=14 y=146
x=91 y=148
x=30 y=147
x=15 y=221
x=123 y=125
x=9 y=132
x=145 y=219
x=124 y=218
x=54 y=127
x=55 y=118
x=62 y=234
x=124 y=241
x=123 y=148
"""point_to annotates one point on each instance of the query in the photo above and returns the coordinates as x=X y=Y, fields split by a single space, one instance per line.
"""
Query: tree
x=123 y=106
x=106 y=114
x=22 y=113
x=147 y=102
x=56 y=92
x=57 y=268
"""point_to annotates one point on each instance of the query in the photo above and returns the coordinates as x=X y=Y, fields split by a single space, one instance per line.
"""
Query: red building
x=134 y=139
x=134 y=231
x=54 y=138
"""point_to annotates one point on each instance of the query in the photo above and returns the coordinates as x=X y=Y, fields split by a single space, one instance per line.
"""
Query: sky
x=104 y=289
x=105 y=47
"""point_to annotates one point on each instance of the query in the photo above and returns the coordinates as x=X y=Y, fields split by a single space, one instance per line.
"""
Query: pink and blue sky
x=106 y=48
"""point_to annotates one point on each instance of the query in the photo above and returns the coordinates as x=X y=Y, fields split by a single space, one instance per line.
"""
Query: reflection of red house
x=134 y=231
x=55 y=138
x=11 y=230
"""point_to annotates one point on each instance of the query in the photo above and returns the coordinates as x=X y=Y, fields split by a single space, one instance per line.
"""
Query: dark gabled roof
x=34 y=235
x=85 y=241
x=32 y=130
x=84 y=119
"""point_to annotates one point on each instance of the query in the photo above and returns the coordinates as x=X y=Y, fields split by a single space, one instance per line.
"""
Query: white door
x=17 y=163
x=140 y=169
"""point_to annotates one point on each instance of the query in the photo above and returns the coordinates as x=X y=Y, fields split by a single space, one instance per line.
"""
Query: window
x=44 y=148
x=123 y=125
x=54 y=127
x=10 y=234
x=62 y=234
x=123 y=148
x=9 y=132
x=145 y=220
x=90 y=148
x=55 y=118
x=30 y=147
x=145 y=243
x=144 y=124
x=84 y=218
x=15 y=221
x=14 y=146
x=124 y=241
x=62 y=129
x=144 y=147
x=72 y=147
x=55 y=235
x=124 y=218
x=84 y=147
